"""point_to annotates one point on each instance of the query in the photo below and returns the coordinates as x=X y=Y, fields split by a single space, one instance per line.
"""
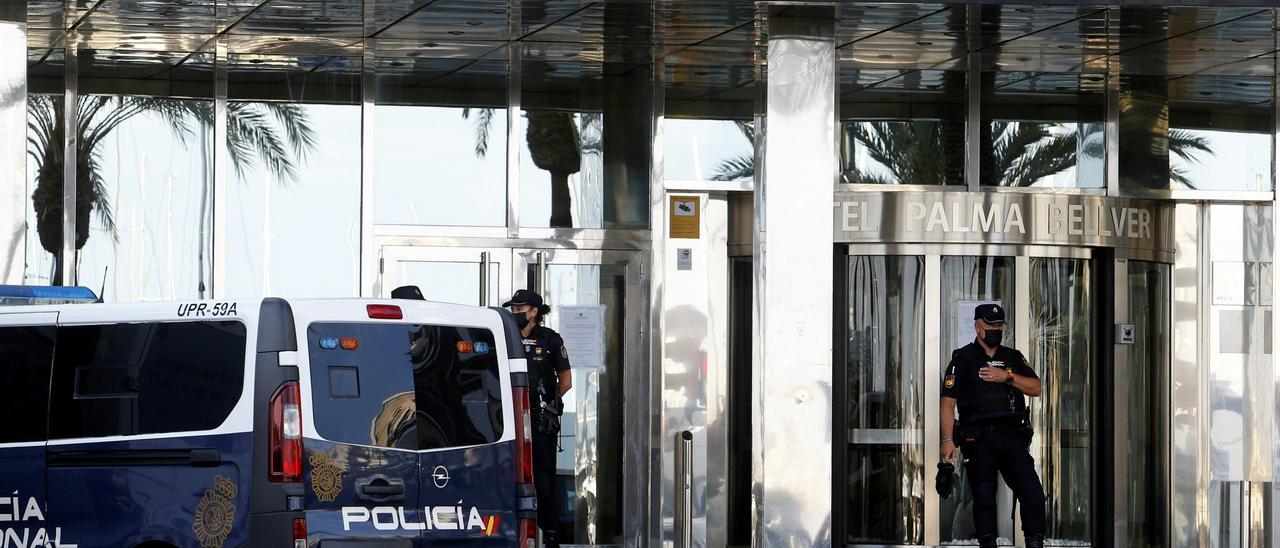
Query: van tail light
x=524 y=437
x=528 y=534
x=300 y=533
x=526 y=493
x=285 y=435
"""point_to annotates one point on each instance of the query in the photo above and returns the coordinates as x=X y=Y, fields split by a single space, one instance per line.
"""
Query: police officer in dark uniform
x=550 y=379
x=988 y=381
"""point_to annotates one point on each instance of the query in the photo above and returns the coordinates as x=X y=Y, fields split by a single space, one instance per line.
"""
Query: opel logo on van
x=441 y=475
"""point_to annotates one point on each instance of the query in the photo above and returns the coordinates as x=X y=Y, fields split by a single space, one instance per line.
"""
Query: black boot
x=987 y=541
x=1035 y=541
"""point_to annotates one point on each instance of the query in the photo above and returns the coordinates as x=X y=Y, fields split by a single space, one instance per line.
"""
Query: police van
x=265 y=422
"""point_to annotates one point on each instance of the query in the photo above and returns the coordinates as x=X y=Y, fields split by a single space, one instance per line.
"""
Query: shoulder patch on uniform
x=950 y=382
x=564 y=352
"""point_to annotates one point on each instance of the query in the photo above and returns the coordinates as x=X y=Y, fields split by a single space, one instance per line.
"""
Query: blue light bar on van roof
x=43 y=294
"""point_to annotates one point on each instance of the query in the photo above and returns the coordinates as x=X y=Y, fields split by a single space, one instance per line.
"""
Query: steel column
x=70 y=142
x=794 y=274
x=13 y=143
x=973 y=128
x=369 y=253
x=933 y=367
x=515 y=120
x=221 y=167
x=1121 y=390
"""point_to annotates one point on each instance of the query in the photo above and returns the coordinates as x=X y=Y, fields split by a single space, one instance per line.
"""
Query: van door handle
x=382 y=489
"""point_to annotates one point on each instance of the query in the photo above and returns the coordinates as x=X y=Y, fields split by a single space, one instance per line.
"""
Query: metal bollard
x=684 y=490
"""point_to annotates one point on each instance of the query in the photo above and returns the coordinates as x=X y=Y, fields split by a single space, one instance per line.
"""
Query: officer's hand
x=993 y=374
x=949 y=451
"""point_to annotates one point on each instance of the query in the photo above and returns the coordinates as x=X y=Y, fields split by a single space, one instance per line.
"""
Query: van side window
x=405 y=386
x=26 y=354
x=145 y=378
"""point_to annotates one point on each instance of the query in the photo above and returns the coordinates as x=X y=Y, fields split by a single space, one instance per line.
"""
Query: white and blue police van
x=265 y=422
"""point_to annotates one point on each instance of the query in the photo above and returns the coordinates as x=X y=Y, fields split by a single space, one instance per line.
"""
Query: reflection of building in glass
x=395 y=424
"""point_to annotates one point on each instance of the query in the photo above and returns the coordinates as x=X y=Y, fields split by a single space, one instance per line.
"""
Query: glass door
x=906 y=308
x=1146 y=491
x=459 y=275
x=967 y=281
x=1059 y=349
x=597 y=305
x=884 y=410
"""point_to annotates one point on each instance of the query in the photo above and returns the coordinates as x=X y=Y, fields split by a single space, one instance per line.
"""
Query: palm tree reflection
x=1023 y=153
x=277 y=134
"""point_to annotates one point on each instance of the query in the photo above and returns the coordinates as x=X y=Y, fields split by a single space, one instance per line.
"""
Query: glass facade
x=440 y=133
x=902 y=126
x=449 y=117
x=287 y=147
x=885 y=366
x=289 y=137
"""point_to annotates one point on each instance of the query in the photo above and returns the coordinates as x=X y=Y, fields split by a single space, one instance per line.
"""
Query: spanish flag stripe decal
x=492 y=527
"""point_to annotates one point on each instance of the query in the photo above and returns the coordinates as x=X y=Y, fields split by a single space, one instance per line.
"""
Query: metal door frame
x=639 y=411
x=932 y=290
x=640 y=382
x=486 y=257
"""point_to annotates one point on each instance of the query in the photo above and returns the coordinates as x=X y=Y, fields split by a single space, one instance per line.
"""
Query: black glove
x=548 y=423
x=945 y=481
x=549 y=418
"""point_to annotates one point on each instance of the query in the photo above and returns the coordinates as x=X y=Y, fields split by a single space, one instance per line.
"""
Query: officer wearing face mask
x=549 y=373
x=988 y=382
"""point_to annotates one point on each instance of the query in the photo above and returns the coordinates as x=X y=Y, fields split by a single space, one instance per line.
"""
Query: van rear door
x=360 y=452
x=468 y=483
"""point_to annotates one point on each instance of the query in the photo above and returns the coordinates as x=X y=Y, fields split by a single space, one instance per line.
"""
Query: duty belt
x=1011 y=423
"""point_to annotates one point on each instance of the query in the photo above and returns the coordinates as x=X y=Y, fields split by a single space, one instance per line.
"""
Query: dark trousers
x=1002 y=450
x=544 y=477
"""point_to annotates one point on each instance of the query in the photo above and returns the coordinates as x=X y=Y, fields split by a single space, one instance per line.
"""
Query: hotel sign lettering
x=1005 y=218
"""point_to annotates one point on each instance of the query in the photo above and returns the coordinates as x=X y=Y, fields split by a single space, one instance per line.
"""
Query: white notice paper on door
x=965 y=333
x=582 y=328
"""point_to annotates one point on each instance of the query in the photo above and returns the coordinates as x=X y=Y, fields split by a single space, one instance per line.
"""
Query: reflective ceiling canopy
x=709 y=50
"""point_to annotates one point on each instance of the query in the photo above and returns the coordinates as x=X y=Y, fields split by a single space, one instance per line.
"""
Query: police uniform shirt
x=547 y=357
x=979 y=400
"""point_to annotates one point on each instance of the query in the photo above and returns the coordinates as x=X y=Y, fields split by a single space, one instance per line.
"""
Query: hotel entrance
x=1092 y=321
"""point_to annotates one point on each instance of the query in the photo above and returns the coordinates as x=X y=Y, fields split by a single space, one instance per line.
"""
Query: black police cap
x=407 y=292
x=527 y=298
x=990 y=313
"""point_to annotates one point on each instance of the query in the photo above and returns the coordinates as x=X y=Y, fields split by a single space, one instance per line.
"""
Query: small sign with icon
x=685 y=217
x=1124 y=333
x=684 y=259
